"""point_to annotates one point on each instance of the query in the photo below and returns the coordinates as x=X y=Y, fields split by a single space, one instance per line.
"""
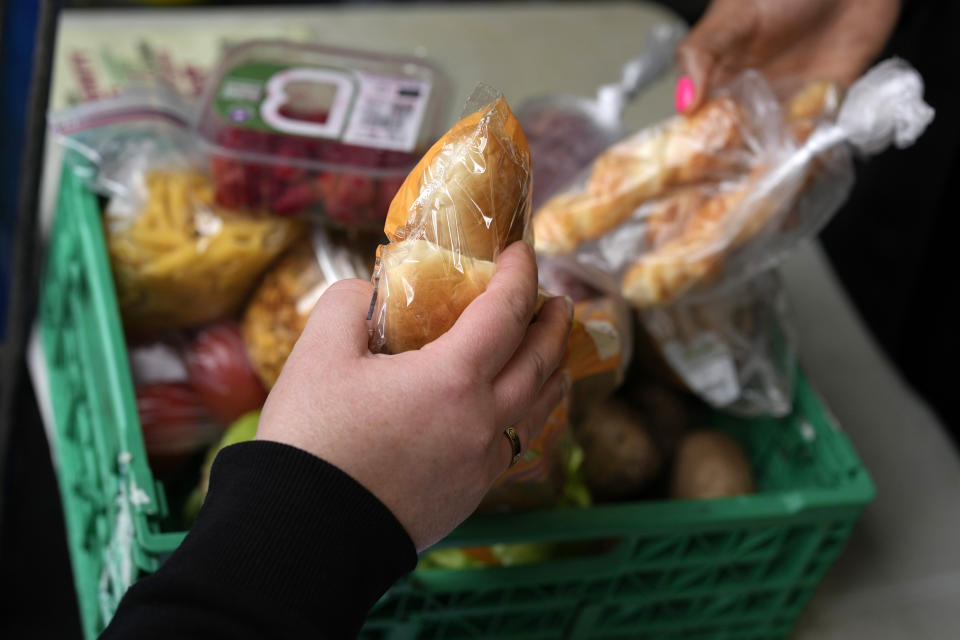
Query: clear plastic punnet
x=316 y=131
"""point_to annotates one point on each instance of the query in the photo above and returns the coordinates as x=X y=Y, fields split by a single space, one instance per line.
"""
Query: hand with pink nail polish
x=799 y=39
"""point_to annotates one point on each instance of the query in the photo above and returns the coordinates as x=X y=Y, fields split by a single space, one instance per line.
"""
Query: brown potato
x=620 y=457
x=710 y=464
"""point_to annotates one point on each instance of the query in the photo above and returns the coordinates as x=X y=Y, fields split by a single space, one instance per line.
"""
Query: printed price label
x=388 y=112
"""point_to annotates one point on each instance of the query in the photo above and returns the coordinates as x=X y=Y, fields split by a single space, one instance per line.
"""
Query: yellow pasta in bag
x=181 y=261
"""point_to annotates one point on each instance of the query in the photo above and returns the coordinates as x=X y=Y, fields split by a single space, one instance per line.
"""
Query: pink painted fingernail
x=683 y=94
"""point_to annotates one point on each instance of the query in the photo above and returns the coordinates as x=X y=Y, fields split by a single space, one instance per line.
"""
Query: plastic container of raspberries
x=313 y=131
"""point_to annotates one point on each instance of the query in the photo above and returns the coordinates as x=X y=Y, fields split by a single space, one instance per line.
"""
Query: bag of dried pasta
x=705 y=201
x=179 y=260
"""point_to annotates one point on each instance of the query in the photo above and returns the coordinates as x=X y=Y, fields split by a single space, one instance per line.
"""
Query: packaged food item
x=599 y=350
x=179 y=259
x=175 y=423
x=464 y=202
x=737 y=352
x=220 y=371
x=182 y=261
x=174 y=419
x=189 y=386
x=705 y=201
x=278 y=310
x=301 y=129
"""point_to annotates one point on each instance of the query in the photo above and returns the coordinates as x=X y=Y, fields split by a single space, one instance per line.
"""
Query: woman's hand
x=803 y=39
x=423 y=430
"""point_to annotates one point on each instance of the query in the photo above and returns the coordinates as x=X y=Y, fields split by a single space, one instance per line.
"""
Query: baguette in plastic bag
x=703 y=202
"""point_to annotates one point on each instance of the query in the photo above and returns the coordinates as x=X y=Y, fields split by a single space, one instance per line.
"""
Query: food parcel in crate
x=689 y=484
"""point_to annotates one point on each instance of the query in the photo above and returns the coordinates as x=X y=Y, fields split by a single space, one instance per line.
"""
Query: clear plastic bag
x=277 y=312
x=701 y=203
x=179 y=260
x=467 y=199
x=736 y=352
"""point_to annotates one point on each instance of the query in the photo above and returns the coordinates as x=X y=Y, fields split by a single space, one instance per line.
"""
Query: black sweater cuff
x=286 y=545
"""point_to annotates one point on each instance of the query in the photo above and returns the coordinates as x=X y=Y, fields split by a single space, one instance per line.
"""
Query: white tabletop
x=900 y=574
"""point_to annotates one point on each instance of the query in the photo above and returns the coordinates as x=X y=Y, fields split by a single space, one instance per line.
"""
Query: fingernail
x=683 y=94
x=568 y=302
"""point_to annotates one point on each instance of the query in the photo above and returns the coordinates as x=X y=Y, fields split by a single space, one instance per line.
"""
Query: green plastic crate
x=739 y=568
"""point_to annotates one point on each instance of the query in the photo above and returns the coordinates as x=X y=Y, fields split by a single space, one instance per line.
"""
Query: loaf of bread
x=661 y=211
x=464 y=202
x=683 y=150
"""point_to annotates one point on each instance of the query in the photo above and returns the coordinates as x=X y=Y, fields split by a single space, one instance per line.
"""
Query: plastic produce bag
x=736 y=352
x=173 y=417
x=278 y=310
x=179 y=260
x=464 y=202
x=189 y=386
x=701 y=203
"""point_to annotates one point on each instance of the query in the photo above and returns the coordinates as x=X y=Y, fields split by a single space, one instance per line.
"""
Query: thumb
x=338 y=322
x=696 y=65
x=715 y=39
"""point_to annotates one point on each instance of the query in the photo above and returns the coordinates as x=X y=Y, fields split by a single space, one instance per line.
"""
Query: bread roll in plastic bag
x=703 y=202
x=277 y=312
x=464 y=202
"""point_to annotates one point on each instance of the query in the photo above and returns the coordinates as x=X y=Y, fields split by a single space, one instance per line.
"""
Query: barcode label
x=381 y=115
x=388 y=112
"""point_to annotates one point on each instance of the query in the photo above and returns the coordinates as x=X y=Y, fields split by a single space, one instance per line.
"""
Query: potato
x=620 y=457
x=710 y=464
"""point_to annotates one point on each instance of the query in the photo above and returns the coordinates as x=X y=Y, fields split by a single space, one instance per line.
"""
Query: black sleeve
x=285 y=546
